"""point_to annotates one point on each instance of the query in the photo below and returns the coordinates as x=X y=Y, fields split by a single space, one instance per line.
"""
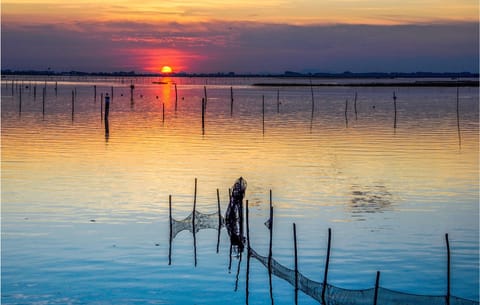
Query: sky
x=241 y=36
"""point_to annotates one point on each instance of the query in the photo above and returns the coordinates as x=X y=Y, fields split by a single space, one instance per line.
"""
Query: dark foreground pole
x=231 y=101
x=324 y=287
x=395 y=109
x=203 y=115
x=270 y=249
x=377 y=282
x=171 y=229
x=73 y=104
x=448 y=269
x=248 y=254
x=296 y=262
x=219 y=219
x=176 y=97
x=263 y=114
x=193 y=223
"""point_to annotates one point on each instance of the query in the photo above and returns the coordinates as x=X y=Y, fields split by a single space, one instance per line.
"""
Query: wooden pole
x=101 y=107
x=346 y=113
x=43 y=101
x=111 y=95
x=313 y=98
x=171 y=229
x=377 y=282
x=231 y=101
x=205 y=93
x=448 y=270
x=95 y=93
x=73 y=105
x=176 y=97
x=324 y=286
x=355 y=105
x=458 y=121
x=107 y=107
x=34 y=92
x=296 y=262
x=219 y=219
x=263 y=114
x=395 y=108
x=56 y=88
x=20 y=102
x=270 y=249
x=278 y=100
x=203 y=115
x=248 y=254
x=163 y=113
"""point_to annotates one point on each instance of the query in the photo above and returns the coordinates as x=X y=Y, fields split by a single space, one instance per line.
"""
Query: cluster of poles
x=323 y=298
x=19 y=86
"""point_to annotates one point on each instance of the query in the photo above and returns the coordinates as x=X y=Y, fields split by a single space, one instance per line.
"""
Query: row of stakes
x=19 y=88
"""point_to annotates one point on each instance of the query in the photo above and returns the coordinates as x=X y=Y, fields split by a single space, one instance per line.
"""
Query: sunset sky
x=243 y=36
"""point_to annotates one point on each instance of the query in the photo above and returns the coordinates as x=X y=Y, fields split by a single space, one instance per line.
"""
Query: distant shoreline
x=463 y=83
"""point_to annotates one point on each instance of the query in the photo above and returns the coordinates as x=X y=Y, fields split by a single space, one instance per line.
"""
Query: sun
x=166 y=69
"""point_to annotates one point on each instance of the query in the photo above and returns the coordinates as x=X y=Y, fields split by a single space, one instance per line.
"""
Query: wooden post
x=20 y=102
x=270 y=249
x=176 y=97
x=43 y=101
x=458 y=121
x=13 y=86
x=448 y=270
x=107 y=106
x=203 y=115
x=355 y=105
x=95 y=93
x=73 y=104
x=278 y=100
x=346 y=113
x=56 y=88
x=231 y=101
x=34 y=92
x=101 y=107
x=377 y=281
x=205 y=92
x=171 y=229
x=263 y=114
x=219 y=220
x=324 y=287
x=248 y=254
x=313 y=98
x=111 y=95
x=163 y=113
x=395 y=108
x=296 y=262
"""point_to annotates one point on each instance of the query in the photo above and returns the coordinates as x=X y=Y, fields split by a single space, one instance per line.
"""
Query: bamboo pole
x=231 y=101
x=395 y=109
x=219 y=219
x=263 y=114
x=355 y=105
x=73 y=105
x=296 y=262
x=248 y=254
x=171 y=229
x=324 y=286
x=447 y=298
x=377 y=282
x=270 y=249
x=203 y=115
x=176 y=97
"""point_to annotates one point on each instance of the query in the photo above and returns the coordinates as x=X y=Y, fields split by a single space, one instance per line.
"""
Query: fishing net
x=339 y=296
x=202 y=221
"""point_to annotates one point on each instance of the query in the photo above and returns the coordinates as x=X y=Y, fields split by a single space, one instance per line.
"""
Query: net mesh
x=202 y=221
x=340 y=296
x=333 y=295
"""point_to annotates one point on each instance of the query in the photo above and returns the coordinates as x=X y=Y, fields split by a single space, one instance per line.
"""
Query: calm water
x=85 y=214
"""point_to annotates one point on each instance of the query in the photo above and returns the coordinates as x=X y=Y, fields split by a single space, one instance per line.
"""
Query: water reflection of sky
x=408 y=186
